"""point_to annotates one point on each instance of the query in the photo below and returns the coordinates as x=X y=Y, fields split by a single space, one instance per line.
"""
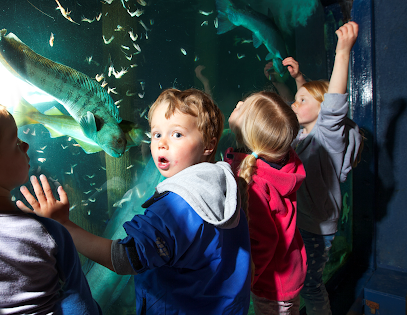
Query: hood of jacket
x=210 y=189
x=284 y=181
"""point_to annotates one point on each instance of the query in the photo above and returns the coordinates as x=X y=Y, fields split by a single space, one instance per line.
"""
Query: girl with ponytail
x=269 y=173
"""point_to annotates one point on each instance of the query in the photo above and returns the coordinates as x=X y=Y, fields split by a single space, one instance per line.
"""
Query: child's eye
x=177 y=135
x=157 y=135
x=19 y=141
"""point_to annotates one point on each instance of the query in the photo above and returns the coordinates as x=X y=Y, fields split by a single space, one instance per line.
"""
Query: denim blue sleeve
x=76 y=295
x=164 y=233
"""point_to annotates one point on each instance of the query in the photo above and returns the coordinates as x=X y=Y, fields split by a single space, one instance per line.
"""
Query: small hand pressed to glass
x=44 y=203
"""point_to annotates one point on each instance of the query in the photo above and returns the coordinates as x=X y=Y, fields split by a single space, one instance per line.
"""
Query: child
x=190 y=251
x=40 y=271
x=327 y=145
x=272 y=172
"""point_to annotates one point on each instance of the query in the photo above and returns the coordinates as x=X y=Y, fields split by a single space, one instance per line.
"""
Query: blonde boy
x=40 y=271
x=190 y=251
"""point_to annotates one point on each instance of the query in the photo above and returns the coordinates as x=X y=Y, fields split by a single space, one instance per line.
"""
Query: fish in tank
x=79 y=77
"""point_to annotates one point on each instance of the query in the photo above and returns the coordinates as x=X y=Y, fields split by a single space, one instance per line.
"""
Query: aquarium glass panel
x=72 y=68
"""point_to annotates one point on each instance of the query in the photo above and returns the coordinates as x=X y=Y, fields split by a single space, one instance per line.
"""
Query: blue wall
x=379 y=95
x=391 y=102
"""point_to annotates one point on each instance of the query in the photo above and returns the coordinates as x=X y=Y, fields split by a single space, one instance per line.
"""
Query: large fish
x=60 y=125
x=263 y=28
x=85 y=100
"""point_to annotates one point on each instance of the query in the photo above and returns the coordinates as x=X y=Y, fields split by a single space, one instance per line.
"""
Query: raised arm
x=294 y=70
x=204 y=80
x=94 y=247
x=281 y=87
x=347 y=35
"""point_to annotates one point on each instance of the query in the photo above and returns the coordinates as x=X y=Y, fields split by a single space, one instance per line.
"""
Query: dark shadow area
x=353 y=277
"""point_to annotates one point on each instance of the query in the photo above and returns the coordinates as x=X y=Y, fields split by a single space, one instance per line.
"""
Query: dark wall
x=391 y=102
x=380 y=97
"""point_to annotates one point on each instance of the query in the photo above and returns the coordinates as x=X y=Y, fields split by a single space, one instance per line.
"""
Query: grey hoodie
x=210 y=189
x=327 y=154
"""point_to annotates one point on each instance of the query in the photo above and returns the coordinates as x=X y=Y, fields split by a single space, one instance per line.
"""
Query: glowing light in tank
x=12 y=89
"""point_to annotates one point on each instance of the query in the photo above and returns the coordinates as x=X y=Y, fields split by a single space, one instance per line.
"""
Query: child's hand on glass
x=347 y=35
x=45 y=205
x=292 y=66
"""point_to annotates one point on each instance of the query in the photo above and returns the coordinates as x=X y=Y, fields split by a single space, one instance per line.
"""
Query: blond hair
x=268 y=128
x=317 y=89
x=197 y=104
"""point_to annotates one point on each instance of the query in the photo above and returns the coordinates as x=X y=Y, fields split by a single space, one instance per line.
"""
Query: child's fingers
x=355 y=28
x=348 y=30
x=347 y=35
x=38 y=191
x=289 y=61
x=23 y=207
x=30 y=198
x=63 y=197
x=46 y=187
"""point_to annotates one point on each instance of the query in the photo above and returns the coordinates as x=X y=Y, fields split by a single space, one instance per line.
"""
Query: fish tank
x=109 y=60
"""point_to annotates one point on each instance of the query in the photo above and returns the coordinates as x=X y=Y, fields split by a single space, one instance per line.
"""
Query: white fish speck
x=137 y=46
x=132 y=36
x=206 y=13
x=143 y=25
x=107 y=41
x=137 y=13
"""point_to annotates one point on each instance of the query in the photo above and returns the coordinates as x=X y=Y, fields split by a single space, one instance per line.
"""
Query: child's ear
x=210 y=147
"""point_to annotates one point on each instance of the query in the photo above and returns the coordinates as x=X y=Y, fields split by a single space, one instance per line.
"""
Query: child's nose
x=24 y=146
x=162 y=144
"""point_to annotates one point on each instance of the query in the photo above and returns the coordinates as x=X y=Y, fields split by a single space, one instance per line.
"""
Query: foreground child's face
x=176 y=142
x=13 y=155
x=307 y=108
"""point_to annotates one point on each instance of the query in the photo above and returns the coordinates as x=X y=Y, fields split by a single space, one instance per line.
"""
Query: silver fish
x=60 y=125
x=85 y=100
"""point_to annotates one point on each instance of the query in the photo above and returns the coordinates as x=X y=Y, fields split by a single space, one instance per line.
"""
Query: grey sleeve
x=121 y=261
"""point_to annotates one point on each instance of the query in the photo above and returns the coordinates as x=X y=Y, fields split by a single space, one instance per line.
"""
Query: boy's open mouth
x=163 y=162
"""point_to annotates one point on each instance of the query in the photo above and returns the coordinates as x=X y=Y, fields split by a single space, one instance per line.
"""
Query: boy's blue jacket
x=193 y=246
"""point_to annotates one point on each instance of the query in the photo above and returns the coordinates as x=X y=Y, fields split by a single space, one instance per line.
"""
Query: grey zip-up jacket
x=327 y=154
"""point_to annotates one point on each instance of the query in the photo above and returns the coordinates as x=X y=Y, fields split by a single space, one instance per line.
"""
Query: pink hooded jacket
x=277 y=248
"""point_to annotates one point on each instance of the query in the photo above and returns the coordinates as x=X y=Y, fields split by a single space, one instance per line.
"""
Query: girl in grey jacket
x=328 y=145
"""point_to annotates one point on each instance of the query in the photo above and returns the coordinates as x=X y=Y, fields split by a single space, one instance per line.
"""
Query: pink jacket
x=277 y=248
